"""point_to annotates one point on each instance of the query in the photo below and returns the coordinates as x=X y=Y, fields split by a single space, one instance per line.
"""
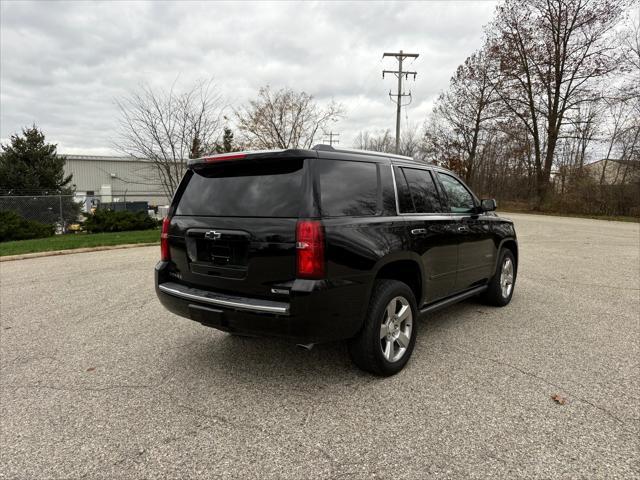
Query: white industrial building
x=115 y=179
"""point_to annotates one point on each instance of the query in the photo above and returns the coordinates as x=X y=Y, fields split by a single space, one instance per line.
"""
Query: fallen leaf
x=559 y=399
x=91 y=369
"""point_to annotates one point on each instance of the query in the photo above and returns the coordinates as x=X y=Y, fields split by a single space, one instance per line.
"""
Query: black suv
x=324 y=244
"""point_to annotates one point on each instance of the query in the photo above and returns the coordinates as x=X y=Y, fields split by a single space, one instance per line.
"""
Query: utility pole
x=400 y=56
x=331 y=140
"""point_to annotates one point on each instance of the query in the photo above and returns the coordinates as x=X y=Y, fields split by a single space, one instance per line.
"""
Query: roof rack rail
x=330 y=148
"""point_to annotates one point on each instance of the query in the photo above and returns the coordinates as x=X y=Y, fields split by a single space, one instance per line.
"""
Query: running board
x=451 y=300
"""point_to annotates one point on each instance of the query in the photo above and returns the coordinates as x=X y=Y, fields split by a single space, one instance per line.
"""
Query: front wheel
x=387 y=338
x=500 y=289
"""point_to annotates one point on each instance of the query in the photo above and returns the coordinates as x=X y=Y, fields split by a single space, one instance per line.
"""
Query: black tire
x=495 y=295
x=366 y=349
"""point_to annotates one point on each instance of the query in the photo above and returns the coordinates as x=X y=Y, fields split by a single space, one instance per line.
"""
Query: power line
x=400 y=56
x=331 y=140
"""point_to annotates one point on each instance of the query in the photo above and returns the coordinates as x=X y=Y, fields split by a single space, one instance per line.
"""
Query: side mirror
x=488 y=205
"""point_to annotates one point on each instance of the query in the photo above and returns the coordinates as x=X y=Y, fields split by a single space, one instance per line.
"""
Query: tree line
x=544 y=115
x=553 y=89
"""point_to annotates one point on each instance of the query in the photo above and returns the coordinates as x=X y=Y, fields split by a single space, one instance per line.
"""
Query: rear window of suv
x=244 y=189
x=348 y=188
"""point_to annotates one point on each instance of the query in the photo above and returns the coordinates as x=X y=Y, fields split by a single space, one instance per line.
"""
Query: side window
x=348 y=188
x=422 y=189
x=460 y=200
x=416 y=191
x=405 y=202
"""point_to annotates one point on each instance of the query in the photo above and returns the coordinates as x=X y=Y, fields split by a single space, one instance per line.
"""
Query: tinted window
x=460 y=200
x=244 y=189
x=405 y=202
x=388 y=190
x=348 y=188
x=423 y=190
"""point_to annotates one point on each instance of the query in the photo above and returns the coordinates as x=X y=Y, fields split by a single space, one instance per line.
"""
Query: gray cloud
x=63 y=64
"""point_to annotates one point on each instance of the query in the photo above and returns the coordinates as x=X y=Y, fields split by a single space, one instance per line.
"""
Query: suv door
x=429 y=229
x=476 y=251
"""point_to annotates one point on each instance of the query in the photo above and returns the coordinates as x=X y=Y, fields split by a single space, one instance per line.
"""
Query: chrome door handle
x=418 y=231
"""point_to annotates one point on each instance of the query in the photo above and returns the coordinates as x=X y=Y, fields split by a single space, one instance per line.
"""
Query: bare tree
x=284 y=119
x=464 y=110
x=547 y=55
x=584 y=130
x=554 y=87
x=621 y=131
x=629 y=38
x=410 y=142
x=376 y=141
x=169 y=127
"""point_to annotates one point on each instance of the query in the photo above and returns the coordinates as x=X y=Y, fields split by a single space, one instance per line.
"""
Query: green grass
x=78 y=240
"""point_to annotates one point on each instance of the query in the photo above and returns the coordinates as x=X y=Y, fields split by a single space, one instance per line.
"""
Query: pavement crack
x=333 y=464
x=566 y=281
x=25 y=360
x=216 y=419
x=139 y=386
x=597 y=285
x=78 y=389
x=548 y=382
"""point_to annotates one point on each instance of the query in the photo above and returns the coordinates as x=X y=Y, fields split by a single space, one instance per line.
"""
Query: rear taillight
x=225 y=157
x=165 y=254
x=310 y=249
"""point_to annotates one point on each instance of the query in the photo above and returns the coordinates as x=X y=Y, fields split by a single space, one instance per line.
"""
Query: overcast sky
x=64 y=64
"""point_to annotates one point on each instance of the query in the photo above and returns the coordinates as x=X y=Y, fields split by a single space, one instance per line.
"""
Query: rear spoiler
x=250 y=155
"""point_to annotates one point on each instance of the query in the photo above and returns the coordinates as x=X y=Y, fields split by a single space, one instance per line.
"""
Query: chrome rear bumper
x=222 y=300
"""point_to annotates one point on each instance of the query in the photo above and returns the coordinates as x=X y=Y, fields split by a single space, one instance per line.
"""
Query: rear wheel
x=501 y=286
x=388 y=335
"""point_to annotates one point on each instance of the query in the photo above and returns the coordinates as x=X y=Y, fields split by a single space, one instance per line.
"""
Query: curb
x=52 y=253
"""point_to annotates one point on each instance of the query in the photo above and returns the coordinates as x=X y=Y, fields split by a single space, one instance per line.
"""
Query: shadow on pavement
x=214 y=354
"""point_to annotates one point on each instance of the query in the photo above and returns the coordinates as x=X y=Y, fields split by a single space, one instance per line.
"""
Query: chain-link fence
x=63 y=210
x=50 y=209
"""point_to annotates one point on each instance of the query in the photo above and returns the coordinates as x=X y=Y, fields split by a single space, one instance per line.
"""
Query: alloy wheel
x=506 y=277
x=396 y=329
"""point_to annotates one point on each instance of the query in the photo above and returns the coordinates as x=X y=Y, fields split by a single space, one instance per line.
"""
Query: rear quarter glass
x=261 y=188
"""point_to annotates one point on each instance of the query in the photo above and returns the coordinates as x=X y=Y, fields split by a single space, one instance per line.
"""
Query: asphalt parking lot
x=99 y=381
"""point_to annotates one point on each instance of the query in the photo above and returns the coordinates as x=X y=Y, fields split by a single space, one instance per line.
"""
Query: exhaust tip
x=305 y=346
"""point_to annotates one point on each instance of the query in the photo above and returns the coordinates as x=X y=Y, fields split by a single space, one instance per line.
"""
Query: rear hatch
x=234 y=226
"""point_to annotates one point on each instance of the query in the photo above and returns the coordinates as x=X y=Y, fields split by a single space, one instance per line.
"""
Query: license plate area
x=218 y=253
x=222 y=253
